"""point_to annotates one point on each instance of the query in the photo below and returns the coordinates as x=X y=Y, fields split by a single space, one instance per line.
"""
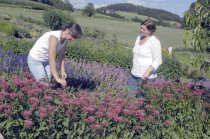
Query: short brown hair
x=149 y=25
x=75 y=30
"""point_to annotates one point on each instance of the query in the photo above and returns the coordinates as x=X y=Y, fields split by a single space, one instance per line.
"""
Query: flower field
x=96 y=104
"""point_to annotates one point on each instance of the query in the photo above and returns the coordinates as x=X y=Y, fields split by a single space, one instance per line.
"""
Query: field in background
x=18 y=11
x=125 y=32
x=130 y=16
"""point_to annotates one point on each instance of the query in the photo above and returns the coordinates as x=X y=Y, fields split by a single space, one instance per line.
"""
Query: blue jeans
x=39 y=69
x=134 y=86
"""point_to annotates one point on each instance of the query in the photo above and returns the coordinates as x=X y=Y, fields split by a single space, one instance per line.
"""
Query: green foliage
x=57 y=4
x=27 y=4
x=56 y=19
x=7 y=27
x=30 y=20
x=198 y=21
x=170 y=68
x=89 y=10
x=103 y=52
x=94 y=33
x=154 y=13
x=111 y=13
x=18 y=45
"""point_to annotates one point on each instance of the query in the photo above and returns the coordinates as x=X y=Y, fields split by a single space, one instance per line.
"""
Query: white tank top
x=40 y=49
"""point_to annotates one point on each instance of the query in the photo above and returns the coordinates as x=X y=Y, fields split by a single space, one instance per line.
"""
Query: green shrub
x=30 y=20
x=103 y=52
x=170 y=68
x=18 y=45
x=94 y=33
x=7 y=28
x=56 y=19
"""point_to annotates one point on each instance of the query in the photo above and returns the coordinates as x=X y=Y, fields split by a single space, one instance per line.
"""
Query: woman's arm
x=156 y=58
x=53 y=42
x=62 y=62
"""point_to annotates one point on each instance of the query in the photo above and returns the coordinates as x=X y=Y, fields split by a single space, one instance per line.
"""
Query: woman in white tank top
x=42 y=56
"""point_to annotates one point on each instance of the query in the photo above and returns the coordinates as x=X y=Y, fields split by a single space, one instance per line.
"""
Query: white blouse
x=148 y=54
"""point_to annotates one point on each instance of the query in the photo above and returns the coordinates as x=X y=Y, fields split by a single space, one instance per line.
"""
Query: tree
x=197 y=18
x=60 y=4
x=89 y=10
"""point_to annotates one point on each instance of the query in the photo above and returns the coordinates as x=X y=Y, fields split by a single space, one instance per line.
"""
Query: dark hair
x=149 y=25
x=75 y=30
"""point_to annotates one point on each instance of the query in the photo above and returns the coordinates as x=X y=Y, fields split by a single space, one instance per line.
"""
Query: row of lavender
x=81 y=74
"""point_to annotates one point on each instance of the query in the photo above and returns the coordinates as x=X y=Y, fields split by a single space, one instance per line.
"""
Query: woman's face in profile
x=69 y=35
x=144 y=31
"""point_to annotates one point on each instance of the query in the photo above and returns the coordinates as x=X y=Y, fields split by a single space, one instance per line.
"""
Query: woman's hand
x=148 y=72
x=146 y=76
x=62 y=82
x=64 y=75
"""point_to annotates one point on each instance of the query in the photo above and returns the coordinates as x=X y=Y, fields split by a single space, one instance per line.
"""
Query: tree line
x=150 y=12
x=65 y=4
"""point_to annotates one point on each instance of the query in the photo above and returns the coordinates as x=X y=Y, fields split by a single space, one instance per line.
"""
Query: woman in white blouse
x=147 y=58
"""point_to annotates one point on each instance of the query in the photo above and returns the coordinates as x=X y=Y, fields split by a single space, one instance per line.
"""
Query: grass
x=126 y=32
x=18 y=11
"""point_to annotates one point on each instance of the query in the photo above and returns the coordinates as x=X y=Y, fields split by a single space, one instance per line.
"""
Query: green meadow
x=125 y=31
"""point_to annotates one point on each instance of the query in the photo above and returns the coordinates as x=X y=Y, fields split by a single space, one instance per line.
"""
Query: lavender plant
x=12 y=63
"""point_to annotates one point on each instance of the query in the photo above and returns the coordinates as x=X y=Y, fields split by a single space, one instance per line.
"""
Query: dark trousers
x=134 y=86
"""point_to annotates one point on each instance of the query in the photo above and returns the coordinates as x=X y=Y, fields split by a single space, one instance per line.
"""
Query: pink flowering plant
x=30 y=109
x=185 y=109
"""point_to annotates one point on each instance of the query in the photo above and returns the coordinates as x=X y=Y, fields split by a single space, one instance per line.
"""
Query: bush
x=18 y=46
x=103 y=52
x=94 y=33
x=56 y=19
x=170 y=68
x=7 y=27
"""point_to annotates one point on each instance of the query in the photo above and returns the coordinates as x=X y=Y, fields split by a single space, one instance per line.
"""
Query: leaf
x=2 y=124
x=57 y=101
x=66 y=123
